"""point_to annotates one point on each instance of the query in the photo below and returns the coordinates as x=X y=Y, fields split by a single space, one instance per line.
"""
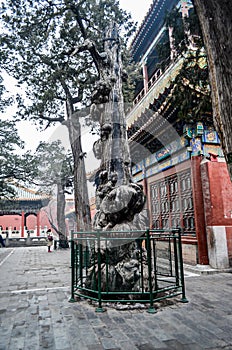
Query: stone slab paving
x=35 y=312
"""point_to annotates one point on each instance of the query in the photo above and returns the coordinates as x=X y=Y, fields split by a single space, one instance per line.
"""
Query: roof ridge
x=23 y=192
x=142 y=23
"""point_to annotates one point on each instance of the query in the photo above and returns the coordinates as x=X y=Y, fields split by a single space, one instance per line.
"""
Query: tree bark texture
x=82 y=207
x=61 y=209
x=216 y=22
x=61 y=225
x=118 y=199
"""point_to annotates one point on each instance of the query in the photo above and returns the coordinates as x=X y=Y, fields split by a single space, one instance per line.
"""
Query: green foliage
x=38 y=42
x=14 y=167
x=191 y=93
x=5 y=98
x=55 y=167
x=163 y=51
x=132 y=76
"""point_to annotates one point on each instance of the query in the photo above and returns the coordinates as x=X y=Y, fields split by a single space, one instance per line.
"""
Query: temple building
x=30 y=214
x=180 y=163
x=24 y=214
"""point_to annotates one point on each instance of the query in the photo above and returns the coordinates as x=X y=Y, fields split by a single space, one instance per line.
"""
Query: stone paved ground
x=35 y=313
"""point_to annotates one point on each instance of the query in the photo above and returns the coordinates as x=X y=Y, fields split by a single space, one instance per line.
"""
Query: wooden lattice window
x=172 y=202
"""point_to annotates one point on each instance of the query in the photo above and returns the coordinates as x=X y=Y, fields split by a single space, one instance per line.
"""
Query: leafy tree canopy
x=191 y=92
x=55 y=166
x=6 y=98
x=14 y=166
x=38 y=45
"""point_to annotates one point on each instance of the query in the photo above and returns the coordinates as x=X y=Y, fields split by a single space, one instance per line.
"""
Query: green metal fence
x=163 y=263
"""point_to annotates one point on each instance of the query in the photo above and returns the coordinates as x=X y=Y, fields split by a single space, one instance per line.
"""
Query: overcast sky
x=137 y=8
x=29 y=133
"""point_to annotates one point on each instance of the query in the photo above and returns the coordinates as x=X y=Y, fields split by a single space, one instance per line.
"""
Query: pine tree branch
x=52 y=119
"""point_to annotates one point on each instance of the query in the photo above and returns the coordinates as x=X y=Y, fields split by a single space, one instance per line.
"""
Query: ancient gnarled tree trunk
x=118 y=199
x=216 y=21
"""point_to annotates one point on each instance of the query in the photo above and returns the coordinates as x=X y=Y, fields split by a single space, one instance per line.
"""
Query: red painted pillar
x=144 y=180
x=217 y=193
x=199 y=210
x=22 y=223
x=38 y=224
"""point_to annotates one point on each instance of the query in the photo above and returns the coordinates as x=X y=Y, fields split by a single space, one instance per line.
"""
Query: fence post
x=80 y=262
x=176 y=258
x=99 y=308
x=72 y=299
x=151 y=308
x=183 y=299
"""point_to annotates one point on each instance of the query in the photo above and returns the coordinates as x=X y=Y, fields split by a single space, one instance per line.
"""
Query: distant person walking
x=49 y=240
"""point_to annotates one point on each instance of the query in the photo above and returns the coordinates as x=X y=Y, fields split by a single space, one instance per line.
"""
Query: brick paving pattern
x=35 y=312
